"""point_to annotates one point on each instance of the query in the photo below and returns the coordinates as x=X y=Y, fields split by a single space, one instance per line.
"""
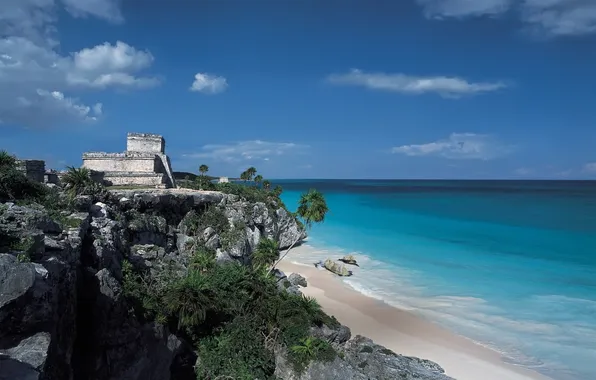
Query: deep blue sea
x=509 y=264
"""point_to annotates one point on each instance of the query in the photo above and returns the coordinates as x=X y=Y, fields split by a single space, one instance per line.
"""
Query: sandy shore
x=402 y=331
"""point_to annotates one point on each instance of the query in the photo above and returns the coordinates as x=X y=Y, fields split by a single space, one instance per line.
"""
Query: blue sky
x=307 y=88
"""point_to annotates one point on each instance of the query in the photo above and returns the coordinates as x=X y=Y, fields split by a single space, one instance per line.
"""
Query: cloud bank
x=468 y=146
x=449 y=87
x=37 y=82
x=551 y=17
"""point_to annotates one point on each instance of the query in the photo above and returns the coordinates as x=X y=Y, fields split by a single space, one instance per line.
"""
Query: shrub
x=78 y=181
x=310 y=349
x=14 y=185
x=238 y=351
x=233 y=314
x=213 y=216
x=232 y=236
x=266 y=253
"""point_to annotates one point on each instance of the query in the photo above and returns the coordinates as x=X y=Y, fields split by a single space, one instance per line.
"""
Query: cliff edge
x=70 y=279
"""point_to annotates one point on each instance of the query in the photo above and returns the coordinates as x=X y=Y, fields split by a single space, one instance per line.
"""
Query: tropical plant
x=201 y=179
x=266 y=253
x=277 y=190
x=307 y=347
x=266 y=184
x=312 y=209
x=14 y=185
x=258 y=179
x=186 y=300
x=7 y=160
x=250 y=172
x=244 y=176
x=77 y=180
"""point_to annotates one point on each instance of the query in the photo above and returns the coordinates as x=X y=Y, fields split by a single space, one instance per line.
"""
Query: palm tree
x=77 y=180
x=266 y=253
x=251 y=172
x=312 y=209
x=7 y=160
x=266 y=184
x=277 y=190
x=202 y=169
x=258 y=179
x=244 y=176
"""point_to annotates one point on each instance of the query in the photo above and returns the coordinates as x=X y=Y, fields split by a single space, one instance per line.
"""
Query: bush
x=14 y=185
x=233 y=314
x=212 y=216
x=238 y=350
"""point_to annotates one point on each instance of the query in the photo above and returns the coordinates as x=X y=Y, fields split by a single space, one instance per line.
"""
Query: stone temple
x=144 y=163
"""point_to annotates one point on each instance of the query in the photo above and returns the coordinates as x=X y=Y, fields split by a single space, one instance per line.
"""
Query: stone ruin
x=144 y=163
x=36 y=171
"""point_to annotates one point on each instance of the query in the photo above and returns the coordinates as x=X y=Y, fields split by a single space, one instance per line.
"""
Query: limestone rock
x=297 y=279
x=349 y=259
x=337 y=335
x=337 y=268
x=381 y=363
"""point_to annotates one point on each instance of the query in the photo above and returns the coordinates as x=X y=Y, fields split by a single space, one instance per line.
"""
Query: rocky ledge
x=63 y=314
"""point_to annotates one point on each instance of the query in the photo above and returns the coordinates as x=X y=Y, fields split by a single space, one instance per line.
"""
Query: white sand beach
x=402 y=331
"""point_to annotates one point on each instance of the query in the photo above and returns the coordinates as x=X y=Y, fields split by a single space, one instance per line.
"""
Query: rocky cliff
x=63 y=313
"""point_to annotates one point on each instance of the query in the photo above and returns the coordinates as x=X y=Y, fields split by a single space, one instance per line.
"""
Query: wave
x=555 y=338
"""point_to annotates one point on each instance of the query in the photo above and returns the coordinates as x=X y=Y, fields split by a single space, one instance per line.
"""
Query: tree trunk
x=284 y=255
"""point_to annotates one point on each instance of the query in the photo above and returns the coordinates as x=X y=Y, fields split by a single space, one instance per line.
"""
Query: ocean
x=508 y=264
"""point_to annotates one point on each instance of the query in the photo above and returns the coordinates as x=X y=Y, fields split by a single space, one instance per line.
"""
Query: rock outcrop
x=359 y=359
x=63 y=314
x=337 y=268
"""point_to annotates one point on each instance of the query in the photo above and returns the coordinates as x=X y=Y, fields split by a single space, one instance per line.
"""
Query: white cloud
x=32 y=70
x=561 y=17
x=109 y=65
x=247 y=150
x=463 y=8
x=209 y=84
x=459 y=146
x=590 y=167
x=105 y=9
x=553 y=17
x=451 y=87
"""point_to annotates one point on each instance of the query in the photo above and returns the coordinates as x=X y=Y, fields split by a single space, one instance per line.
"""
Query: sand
x=402 y=331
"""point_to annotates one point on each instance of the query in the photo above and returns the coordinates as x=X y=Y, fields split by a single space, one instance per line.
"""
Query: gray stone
x=100 y=210
x=297 y=279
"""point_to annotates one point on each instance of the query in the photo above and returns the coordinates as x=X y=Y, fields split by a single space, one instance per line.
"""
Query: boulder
x=378 y=362
x=297 y=279
x=349 y=259
x=337 y=268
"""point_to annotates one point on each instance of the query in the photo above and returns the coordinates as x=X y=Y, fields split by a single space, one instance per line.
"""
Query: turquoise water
x=509 y=264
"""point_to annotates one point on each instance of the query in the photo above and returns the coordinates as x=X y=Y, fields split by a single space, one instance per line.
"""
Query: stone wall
x=123 y=162
x=33 y=169
x=145 y=142
x=135 y=178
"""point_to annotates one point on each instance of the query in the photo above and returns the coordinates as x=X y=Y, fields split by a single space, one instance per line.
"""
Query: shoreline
x=402 y=331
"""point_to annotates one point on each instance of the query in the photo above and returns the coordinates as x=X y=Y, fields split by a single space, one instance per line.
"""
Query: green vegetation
x=232 y=236
x=312 y=208
x=14 y=185
x=23 y=258
x=78 y=181
x=233 y=314
x=212 y=216
x=258 y=180
x=265 y=254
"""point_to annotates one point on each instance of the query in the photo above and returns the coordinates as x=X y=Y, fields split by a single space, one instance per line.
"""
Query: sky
x=462 y=89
